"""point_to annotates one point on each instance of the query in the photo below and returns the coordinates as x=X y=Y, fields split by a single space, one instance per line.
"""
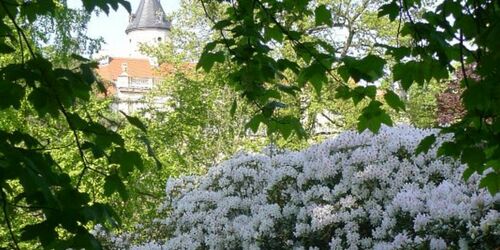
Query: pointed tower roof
x=149 y=15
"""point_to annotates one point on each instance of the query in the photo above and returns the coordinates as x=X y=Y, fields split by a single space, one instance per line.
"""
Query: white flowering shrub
x=355 y=191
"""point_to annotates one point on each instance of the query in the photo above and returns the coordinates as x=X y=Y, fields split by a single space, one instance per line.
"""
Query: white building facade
x=133 y=76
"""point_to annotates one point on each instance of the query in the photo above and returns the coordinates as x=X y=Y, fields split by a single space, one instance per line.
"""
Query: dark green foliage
x=392 y=10
x=491 y=182
x=419 y=72
x=136 y=122
x=208 y=59
x=113 y=183
x=372 y=117
x=425 y=144
x=323 y=16
x=31 y=180
x=369 y=68
x=104 y=5
x=394 y=101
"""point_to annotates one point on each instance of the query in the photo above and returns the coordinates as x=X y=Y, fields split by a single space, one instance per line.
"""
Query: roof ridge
x=129 y=58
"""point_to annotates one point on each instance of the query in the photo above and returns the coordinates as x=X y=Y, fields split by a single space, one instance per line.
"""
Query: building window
x=159 y=39
x=124 y=67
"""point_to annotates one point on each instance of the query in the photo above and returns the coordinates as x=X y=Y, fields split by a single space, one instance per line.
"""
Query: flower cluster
x=355 y=191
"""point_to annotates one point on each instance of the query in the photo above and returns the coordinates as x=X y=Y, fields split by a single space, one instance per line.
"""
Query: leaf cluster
x=253 y=30
x=31 y=178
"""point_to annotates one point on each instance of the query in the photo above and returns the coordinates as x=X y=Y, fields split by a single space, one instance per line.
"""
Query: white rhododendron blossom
x=355 y=191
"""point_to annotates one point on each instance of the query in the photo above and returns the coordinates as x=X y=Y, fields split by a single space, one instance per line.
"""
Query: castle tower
x=148 y=25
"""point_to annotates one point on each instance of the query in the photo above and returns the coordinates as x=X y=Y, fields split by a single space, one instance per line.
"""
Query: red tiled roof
x=135 y=68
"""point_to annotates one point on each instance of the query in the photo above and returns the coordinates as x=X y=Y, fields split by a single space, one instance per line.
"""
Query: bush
x=355 y=191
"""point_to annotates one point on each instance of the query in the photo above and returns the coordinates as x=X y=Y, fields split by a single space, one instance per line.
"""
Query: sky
x=112 y=27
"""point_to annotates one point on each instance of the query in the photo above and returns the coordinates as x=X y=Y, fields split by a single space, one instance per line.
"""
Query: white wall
x=149 y=36
x=130 y=102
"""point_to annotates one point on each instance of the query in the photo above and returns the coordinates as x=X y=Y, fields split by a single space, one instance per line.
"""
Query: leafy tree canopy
x=42 y=80
x=276 y=51
x=441 y=36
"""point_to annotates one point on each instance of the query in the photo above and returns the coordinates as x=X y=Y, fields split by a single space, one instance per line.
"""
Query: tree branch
x=7 y=219
x=462 y=63
x=58 y=100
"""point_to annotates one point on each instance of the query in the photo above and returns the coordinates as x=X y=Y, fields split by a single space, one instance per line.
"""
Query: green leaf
x=96 y=151
x=286 y=126
x=85 y=240
x=136 y=122
x=393 y=100
x=370 y=91
x=77 y=122
x=468 y=173
x=372 y=117
x=474 y=157
x=284 y=64
x=425 y=144
x=397 y=53
x=210 y=46
x=419 y=72
x=103 y=137
x=274 y=32
x=315 y=74
x=222 y=24
x=102 y=213
x=208 y=59
x=254 y=122
x=343 y=92
x=88 y=73
x=369 y=68
x=151 y=152
x=449 y=149
x=11 y=94
x=44 y=102
x=390 y=9
x=79 y=58
x=269 y=108
x=126 y=159
x=468 y=25
x=32 y=9
x=323 y=16
x=112 y=184
x=233 y=108
x=44 y=231
x=359 y=93
x=91 y=5
x=491 y=182
x=6 y=49
x=475 y=97
x=291 y=90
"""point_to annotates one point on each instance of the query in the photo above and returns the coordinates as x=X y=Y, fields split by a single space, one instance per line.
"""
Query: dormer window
x=124 y=67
